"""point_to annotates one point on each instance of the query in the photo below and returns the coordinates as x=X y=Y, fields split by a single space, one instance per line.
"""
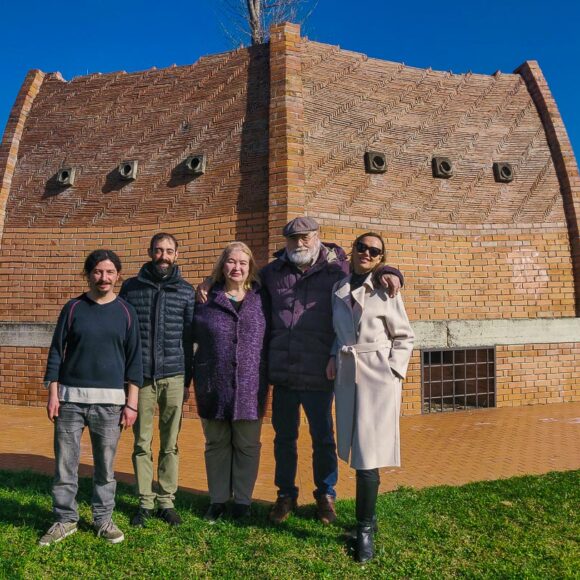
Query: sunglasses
x=373 y=252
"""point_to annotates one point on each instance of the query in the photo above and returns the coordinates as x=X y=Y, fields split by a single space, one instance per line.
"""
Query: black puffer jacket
x=165 y=312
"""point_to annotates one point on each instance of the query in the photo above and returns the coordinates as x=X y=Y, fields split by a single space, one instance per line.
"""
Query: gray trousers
x=103 y=422
x=232 y=458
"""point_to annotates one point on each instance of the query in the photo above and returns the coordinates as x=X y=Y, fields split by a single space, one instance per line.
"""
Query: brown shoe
x=325 y=509
x=283 y=507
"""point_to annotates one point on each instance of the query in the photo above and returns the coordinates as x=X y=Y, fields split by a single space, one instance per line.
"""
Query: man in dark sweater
x=164 y=303
x=95 y=352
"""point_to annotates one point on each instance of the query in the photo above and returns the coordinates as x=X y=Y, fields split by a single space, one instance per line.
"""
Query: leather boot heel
x=365 y=547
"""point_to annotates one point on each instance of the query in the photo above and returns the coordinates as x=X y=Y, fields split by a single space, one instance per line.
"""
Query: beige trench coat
x=373 y=339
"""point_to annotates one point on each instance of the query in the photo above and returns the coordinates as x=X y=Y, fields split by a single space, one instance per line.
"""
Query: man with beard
x=299 y=285
x=164 y=302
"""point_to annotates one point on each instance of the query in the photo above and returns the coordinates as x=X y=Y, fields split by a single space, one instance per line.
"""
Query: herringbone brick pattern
x=284 y=128
x=217 y=106
x=352 y=103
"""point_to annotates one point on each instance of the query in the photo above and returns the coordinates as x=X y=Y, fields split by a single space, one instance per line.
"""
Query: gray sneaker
x=110 y=532
x=57 y=532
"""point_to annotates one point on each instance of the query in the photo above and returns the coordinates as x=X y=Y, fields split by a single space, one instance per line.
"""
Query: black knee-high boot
x=367 y=488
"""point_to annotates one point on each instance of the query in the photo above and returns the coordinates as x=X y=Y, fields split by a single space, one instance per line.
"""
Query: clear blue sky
x=83 y=37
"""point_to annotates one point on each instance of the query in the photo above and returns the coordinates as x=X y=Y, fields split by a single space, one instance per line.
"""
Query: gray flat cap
x=300 y=225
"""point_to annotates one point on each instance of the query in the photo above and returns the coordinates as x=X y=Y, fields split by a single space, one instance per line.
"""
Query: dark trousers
x=286 y=422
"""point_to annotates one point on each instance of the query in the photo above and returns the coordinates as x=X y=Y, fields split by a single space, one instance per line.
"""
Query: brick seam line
x=286 y=131
x=563 y=157
x=12 y=136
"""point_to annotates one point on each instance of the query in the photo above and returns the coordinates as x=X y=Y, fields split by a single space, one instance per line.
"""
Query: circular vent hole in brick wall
x=126 y=169
x=378 y=161
x=506 y=172
x=445 y=167
x=195 y=163
x=64 y=175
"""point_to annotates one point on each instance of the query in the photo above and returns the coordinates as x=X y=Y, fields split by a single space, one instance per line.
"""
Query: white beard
x=302 y=256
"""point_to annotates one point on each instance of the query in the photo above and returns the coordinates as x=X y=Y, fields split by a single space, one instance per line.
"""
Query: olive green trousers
x=167 y=394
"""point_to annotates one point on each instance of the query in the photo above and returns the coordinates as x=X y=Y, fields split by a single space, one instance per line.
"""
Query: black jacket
x=165 y=312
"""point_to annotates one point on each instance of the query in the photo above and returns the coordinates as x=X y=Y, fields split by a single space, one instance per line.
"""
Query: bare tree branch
x=252 y=19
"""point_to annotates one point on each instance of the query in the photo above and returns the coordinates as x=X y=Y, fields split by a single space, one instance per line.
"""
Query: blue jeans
x=286 y=422
x=103 y=422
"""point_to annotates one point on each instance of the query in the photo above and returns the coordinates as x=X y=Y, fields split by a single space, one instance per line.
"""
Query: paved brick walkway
x=437 y=449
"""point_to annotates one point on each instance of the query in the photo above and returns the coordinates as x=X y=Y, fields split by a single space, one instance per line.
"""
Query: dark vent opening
x=458 y=379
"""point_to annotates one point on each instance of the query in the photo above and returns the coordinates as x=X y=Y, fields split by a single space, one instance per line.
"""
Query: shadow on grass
x=34 y=509
x=45 y=465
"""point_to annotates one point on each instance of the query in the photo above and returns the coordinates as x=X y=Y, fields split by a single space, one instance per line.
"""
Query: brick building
x=491 y=254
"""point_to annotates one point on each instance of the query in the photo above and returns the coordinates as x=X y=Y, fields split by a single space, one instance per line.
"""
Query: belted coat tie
x=374 y=341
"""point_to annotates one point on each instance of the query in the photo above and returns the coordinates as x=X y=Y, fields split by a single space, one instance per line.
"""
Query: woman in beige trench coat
x=373 y=345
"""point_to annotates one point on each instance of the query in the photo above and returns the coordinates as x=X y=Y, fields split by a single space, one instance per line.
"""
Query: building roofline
x=562 y=156
x=13 y=134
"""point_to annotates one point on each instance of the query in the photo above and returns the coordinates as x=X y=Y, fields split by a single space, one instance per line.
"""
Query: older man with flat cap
x=299 y=282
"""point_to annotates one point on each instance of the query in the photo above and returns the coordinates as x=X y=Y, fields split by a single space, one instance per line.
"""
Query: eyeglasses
x=373 y=252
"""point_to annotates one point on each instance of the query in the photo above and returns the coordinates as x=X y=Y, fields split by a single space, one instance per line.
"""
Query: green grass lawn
x=525 y=527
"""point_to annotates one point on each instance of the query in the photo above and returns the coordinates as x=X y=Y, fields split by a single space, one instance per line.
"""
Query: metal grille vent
x=459 y=379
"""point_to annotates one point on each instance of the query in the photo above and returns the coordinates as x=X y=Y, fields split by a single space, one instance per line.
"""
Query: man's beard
x=163 y=268
x=302 y=256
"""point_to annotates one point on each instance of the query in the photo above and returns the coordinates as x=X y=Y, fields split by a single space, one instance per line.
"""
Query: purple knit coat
x=229 y=369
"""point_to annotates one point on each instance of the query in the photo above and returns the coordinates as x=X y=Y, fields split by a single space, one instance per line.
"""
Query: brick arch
x=563 y=157
x=12 y=136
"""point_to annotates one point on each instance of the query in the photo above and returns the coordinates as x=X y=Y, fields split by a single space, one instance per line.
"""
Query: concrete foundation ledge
x=37 y=334
x=429 y=334
x=467 y=333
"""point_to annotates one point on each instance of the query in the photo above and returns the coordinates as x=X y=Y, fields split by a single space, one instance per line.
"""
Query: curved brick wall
x=218 y=106
x=473 y=248
x=284 y=128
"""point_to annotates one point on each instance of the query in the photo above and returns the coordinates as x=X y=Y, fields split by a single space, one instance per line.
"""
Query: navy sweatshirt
x=96 y=345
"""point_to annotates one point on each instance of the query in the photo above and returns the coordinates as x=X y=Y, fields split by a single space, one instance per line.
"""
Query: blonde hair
x=217 y=274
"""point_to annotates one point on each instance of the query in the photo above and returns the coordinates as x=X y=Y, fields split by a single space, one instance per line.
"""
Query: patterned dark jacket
x=230 y=367
x=165 y=312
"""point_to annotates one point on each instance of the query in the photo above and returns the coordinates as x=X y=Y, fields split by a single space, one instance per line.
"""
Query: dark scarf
x=157 y=274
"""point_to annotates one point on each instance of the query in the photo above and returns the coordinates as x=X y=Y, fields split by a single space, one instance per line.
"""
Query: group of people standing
x=310 y=323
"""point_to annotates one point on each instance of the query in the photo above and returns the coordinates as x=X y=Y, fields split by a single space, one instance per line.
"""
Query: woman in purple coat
x=231 y=380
